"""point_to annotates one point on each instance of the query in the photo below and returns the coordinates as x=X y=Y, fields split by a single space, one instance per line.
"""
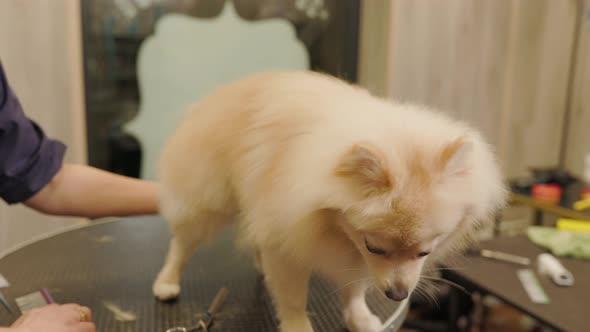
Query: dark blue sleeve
x=28 y=158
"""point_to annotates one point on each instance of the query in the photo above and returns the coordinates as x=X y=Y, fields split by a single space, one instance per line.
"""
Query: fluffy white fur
x=324 y=177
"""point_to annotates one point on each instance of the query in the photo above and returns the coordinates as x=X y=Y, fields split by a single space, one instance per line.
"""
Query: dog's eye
x=423 y=254
x=374 y=250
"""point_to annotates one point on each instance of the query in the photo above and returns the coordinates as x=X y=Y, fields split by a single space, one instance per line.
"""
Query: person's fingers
x=76 y=312
x=86 y=327
x=87 y=314
x=34 y=311
x=19 y=321
x=70 y=306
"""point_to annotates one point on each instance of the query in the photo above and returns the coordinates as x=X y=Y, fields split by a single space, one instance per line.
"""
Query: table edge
x=387 y=325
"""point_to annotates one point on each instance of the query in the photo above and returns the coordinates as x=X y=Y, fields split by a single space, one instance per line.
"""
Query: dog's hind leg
x=187 y=235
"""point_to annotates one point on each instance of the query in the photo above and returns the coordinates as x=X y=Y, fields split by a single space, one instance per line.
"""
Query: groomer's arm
x=32 y=172
x=79 y=190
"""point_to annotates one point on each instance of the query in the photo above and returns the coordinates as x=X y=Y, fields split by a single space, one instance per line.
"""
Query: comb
x=34 y=300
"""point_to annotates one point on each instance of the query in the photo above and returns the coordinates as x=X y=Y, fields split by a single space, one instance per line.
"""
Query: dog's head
x=413 y=205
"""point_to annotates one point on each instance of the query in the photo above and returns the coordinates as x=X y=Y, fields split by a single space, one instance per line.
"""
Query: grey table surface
x=116 y=262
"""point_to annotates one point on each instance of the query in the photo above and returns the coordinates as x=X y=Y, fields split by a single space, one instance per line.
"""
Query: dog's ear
x=454 y=157
x=367 y=168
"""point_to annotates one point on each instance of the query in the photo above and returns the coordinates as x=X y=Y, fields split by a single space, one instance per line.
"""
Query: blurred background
x=110 y=78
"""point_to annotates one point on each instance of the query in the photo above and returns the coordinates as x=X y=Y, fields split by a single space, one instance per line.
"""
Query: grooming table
x=115 y=263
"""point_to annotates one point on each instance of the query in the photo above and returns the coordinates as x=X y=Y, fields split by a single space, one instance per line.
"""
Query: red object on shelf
x=550 y=193
x=585 y=194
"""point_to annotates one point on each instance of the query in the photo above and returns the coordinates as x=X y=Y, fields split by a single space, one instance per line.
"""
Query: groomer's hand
x=55 y=318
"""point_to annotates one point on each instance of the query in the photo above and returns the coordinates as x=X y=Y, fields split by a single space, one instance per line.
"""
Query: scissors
x=204 y=323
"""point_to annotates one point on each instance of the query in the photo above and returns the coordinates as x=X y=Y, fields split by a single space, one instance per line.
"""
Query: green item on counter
x=560 y=242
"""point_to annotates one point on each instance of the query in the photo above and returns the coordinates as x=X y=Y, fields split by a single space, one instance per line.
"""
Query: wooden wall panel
x=578 y=139
x=375 y=46
x=542 y=58
x=449 y=54
x=40 y=48
x=500 y=65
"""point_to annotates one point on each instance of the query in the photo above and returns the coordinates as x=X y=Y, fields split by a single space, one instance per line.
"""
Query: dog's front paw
x=364 y=322
x=166 y=291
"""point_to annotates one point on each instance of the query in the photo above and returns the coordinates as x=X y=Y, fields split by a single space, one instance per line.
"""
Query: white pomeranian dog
x=324 y=177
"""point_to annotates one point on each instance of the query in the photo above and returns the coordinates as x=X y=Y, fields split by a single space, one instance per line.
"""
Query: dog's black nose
x=397 y=294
